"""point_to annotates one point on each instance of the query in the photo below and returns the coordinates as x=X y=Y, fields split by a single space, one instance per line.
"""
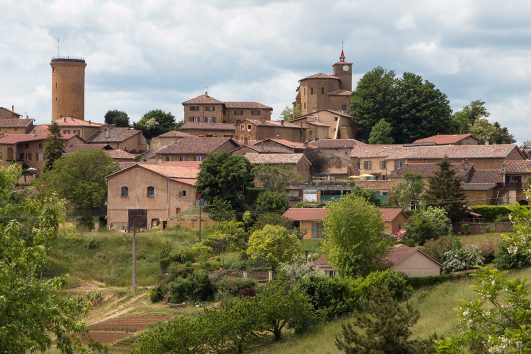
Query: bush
x=465 y=229
x=396 y=282
x=493 y=213
x=275 y=202
x=234 y=286
x=419 y=282
x=195 y=287
x=330 y=296
x=461 y=259
x=251 y=194
x=428 y=224
x=85 y=222
x=182 y=256
x=93 y=243
x=514 y=251
x=264 y=219
x=157 y=294
x=221 y=210
x=436 y=248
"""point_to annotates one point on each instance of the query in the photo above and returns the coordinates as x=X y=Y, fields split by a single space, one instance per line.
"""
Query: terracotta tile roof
x=374 y=150
x=320 y=76
x=178 y=169
x=305 y=214
x=272 y=123
x=207 y=126
x=120 y=154
x=517 y=166
x=443 y=139
x=188 y=181
x=340 y=92
x=40 y=128
x=247 y=105
x=389 y=214
x=322 y=262
x=478 y=186
x=427 y=170
x=331 y=144
x=174 y=134
x=203 y=99
x=116 y=135
x=195 y=145
x=318 y=124
x=15 y=123
x=77 y=147
x=74 y=122
x=433 y=152
x=485 y=176
x=291 y=144
x=10 y=139
x=400 y=253
x=272 y=159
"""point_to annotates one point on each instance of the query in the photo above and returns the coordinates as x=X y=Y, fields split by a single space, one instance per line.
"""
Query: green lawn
x=480 y=239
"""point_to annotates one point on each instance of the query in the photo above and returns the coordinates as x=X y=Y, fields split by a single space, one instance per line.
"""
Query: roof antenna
x=58 y=47
x=206 y=91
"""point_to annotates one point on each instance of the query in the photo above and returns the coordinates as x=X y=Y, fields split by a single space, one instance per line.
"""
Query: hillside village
x=240 y=209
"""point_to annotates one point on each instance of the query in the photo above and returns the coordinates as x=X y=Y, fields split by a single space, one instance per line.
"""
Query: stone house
x=83 y=128
x=194 y=149
x=119 y=156
x=6 y=113
x=448 y=139
x=394 y=219
x=208 y=129
x=206 y=109
x=166 y=139
x=515 y=176
x=297 y=162
x=16 y=126
x=327 y=124
x=127 y=139
x=335 y=153
x=147 y=195
x=249 y=130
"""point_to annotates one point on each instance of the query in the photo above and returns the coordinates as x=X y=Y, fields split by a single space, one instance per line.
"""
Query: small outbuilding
x=412 y=262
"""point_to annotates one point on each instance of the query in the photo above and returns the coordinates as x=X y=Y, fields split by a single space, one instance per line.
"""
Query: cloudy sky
x=147 y=54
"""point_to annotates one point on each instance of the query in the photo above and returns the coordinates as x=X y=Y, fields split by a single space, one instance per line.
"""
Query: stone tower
x=343 y=70
x=68 y=87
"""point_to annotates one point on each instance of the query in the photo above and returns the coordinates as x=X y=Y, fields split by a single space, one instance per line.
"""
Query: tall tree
x=491 y=133
x=225 y=176
x=155 y=122
x=54 y=146
x=421 y=110
x=116 y=117
x=290 y=113
x=353 y=243
x=381 y=133
x=373 y=99
x=445 y=190
x=463 y=119
x=407 y=193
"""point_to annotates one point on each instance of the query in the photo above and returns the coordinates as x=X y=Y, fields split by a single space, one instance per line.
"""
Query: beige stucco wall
x=203 y=114
x=136 y=143
x=418 y=265
x=33 y=153
x=231 y=117
x=307 y=228
x=396 y=225
x=210 y=132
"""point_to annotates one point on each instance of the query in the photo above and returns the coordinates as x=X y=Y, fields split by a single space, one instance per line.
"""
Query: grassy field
x=481 y=239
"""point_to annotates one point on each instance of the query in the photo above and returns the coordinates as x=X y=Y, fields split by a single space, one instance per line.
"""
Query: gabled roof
x=340 y=92
x=443 y=139
x=305 y=214
x=41 y=129
x=77 y=147
x=247 y=105
x=10 y=139
x=389 y=214
x=320 y=76
x=15 y=123
x=207 y=126
x=196 y=145
x=120 y=154
x=485 y=176
x=284 y=142
x=517 y=166
x=374 y=150
x=332 y=144
x=74 y=122
x=400 y=253
x=274 y=159
x=10 y=111
x=202 y=99
x=177 y=169
x=115 y=135
x=174 y=134
x=272 y=123
x=427 y=170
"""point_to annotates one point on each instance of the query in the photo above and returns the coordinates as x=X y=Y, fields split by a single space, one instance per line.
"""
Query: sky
x=155 y=54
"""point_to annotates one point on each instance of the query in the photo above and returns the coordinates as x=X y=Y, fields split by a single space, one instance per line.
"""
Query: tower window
x=150 y=191
x=238 y=113
x=56 y=85
x=322 y=90
x=311 y=90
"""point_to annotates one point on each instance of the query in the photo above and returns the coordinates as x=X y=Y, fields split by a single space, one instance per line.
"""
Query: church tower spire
x=342 y=56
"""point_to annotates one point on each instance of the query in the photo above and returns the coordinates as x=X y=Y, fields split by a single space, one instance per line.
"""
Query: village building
x=83 y=128
x=515 y=176
x=324 y=91
x=16 y=126
x=166 y=139
x=206 y=109
x=193 y=149
x=119 y=156
x=208 y=129
x=250 y=129
x=127 y=139
x=297 y=162
x=448 y=139
x=146 y=195
x=336 y=156
x=327 y=124
x=6 y=113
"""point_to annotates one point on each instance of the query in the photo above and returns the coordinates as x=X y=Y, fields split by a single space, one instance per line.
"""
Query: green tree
x=353 y=243
x=225 y=176
x=421 y=110
x=492 y=133
x=445 y=190
x=241 y=316
x=33 y=309
x=496 y=320
x=428 y=224
x=290 y=113
x=54 y=146
x=381 y=133
x=220 y=210
x=275 y=244
x=369 y=195
x=382 y=326
x=275 y=178
x=79 y=177
x=276 y=202
x=373 y=99
x=116 y=117
x=406 y=194
x=155 y=122
x=526 y=144
x=468 y=115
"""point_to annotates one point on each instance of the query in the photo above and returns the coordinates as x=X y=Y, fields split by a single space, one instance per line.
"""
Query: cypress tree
x=54 y=147
x=446 y=191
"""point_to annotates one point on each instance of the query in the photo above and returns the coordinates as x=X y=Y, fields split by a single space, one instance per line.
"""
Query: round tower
x=68 y=87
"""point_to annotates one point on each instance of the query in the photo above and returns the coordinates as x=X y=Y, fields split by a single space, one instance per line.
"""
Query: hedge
x=493 y=213
x=419 y=282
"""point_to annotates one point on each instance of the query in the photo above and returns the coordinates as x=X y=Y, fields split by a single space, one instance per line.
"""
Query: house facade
x=300 y=165
x=6 y=113
x=327 y=124
x=249 y=130
x=412 y=262
x=16 y=126
x=167 y=139
x=83 y=128
x=208 y=129
x=127 y=139
x=194 y=149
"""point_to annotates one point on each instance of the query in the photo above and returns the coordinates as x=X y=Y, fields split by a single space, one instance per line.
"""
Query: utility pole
x=133 y=252
x=200 y=204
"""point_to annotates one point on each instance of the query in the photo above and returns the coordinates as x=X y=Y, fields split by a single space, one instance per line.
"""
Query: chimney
x=64 y=119
x=262 y=120
x=107 y=132
x=282 y=122
x=13 y=108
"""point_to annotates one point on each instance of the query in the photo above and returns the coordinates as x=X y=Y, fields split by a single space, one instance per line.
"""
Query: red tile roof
x=174 y=134
x=178 y=169
x=114 y=135
x=74 y=122
x=76 y=147
x=400 y=253
x=427 y=170
x=443 y=139
x=196 y=145
x=119 y=154
x=273 y=159
x=305 y=214
x=485 y=176
x=15 y=123
x=41 y=128
x=188 y=181
x=389 y=214
x=291 y=144
x=340 y=92
x=320 y=76
x=203 y=99
x=10 y=139
x=207 y=126
x=247 y=105
x=517 y=166
x=322 y=262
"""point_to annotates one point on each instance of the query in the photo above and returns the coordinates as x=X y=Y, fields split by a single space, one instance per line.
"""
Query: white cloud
x=406 y=22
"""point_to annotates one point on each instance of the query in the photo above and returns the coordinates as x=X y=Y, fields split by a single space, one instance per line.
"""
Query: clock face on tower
x=346 y=68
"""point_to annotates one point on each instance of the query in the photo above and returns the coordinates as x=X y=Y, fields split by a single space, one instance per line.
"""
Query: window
x=40 y=156
x=399 y=163
x=211 y=119
x=182 y=158
x=168 y=158
x=238 y=112
x=66 y=131
x=182 y=194
x=242 y=127
x=210 y=108
x=150 y=192
x=21 y=156
x=124 y=192
x=177 y=210
x=40 y=145
x=344 y=107
x=322 y=90
x=311 y=90
x=249 y=127
x=195 y=119
x=26 y=146
x=198 y=158
x=28 y=156
x=194 y=108
x=77 y=132
x=382 y=165
x=367 y=165
x=255 y=112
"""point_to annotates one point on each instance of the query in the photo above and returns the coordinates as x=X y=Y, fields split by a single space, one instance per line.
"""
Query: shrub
x=85 y=222
x=436 y=248
x=396 y=282
x=330 y=296
x=493 y=213
x=234 y=286
x=461 y=259
x=221 y=210
x=465 y=229
x=276 y=202
x=428 y=224
x=514 y=251
x=195 y=287
x=157 y=293
x=264 y=219
x=93 y=243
